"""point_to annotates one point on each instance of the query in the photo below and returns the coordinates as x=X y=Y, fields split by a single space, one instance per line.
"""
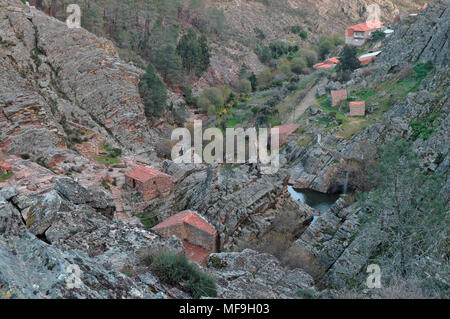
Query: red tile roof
x=144 y=174
x=323 y=65
x=339 y=94
x=366 y=26
x=331 y=60
x=357 y=108
x=188 y=217
x=5 y=166
x=286 y=129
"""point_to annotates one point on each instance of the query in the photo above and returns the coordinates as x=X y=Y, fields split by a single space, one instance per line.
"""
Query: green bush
x=378 y=35
x=424 y=128
x=298 y=64
x=309 y=55
x=214 y=95
x=173 y=269
x=265 y=78
x=284 y=67
x=243 y=86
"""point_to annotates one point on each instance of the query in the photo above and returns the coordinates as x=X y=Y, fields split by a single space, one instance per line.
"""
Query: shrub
x=243 y=86
x=284 y=67
x=298 y=64
x=309 y=55
x=112 y=152
x=214 y=95
x=424 y=128
x=203 y=103
x=212 y=110
x=378 y=35
x=265 y=78
x=173 y=269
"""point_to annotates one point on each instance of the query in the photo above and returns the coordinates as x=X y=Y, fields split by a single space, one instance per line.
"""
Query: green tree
x=153 y=92
x=325 y=47
x=194 y=53
x=253 y=81
x=349 y=60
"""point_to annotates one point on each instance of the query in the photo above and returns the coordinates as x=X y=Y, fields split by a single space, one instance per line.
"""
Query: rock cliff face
x=64 y=245
x=55 y=79
x=338 y=240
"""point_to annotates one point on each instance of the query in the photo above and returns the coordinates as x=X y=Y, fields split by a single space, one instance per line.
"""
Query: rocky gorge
x=57 y=231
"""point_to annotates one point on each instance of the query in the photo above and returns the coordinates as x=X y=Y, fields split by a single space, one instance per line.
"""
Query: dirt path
x=308 y=100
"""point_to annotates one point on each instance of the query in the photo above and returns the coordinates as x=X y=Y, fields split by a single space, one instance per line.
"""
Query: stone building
x=337 y=96
x=357 y=108
x=358 y=34
x=150 y=183
x=199 y=237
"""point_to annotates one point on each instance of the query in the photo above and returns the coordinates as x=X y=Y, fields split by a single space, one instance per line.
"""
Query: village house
x=199 y=237
x=337 y=96
x=369 y=57
x=358 y=34
x=357 y=108
x=285 y=131
x=150 y=183
x=327 y=64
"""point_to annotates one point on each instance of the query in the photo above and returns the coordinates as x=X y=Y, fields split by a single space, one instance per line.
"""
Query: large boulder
x=250 y=274
x=29 y=268
x=94 y=197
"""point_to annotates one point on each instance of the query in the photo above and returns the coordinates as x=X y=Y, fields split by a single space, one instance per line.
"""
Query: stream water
x=319 y=201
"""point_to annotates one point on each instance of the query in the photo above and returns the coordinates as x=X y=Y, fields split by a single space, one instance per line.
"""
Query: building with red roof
x=285 y=131
x=149 y=182
x=337 y=96
x=358 y=34
x=369 y=57
x=329 y=63
x=357 y=108
x=199 y=237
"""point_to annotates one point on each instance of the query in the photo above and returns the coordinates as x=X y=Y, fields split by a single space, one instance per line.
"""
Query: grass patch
x=177 y=270
x=106 y=160
x=5 y=177
x=424 y=128
x=148 y=219
x=111 y=157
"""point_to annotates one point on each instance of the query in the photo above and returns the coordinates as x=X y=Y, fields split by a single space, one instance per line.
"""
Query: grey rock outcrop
x=250 y=274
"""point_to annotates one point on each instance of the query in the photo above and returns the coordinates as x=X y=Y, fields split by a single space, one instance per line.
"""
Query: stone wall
x=200 y=238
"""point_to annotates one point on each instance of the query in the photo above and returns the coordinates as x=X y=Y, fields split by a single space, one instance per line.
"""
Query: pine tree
x=349 y=61
x=153 y=92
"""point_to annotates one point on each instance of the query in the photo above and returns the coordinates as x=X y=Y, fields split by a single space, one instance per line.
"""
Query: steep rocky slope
x=56 y=79
x=245 y=21
x=341 y=240
x=53 y=78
